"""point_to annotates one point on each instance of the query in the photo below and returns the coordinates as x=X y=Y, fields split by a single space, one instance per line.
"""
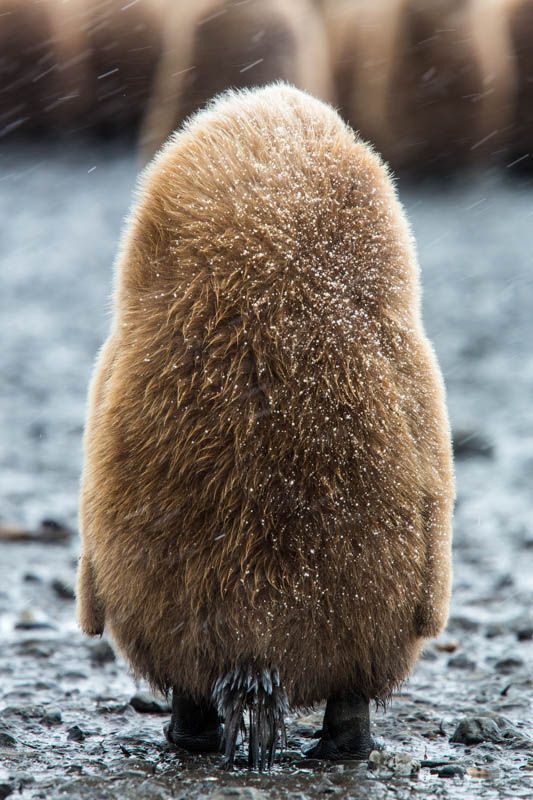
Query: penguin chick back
x=268 y=477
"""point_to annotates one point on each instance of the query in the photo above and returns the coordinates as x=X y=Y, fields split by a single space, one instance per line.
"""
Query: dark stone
x=34 y=624
x=102 y=652
x=146 y=703
x=504 y=582
x=6 y=740
x=461 y=662
x=463 y=624
x=63 y=589
x=75 y=734
x=471 y=444
x=6 y=789
x=30 y=577
x=52 y=531
x=474 y=730
x=508 y=665
x=494 y=630
x=52 y=717
x=525 y=634
x=451 y=771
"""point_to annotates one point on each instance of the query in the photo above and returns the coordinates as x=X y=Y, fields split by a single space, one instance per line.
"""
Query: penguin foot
x=208 y=741
x=194 y=726
x=345 y=734
x=327 y=749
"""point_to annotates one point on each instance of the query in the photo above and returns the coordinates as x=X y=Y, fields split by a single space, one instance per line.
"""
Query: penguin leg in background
x=346 y=729
x=194 y=725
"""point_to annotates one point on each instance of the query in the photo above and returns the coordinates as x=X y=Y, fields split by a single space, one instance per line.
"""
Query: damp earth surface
x=73 y=722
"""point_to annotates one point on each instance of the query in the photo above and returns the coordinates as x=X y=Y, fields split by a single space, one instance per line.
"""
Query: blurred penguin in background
x=213 y=45
x=74 y=65
x=520 y=21
x=427 y=81
x=450 y=80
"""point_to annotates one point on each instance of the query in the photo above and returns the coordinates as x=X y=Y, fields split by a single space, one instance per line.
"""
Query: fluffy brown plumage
x=268 y=476
x=214 y=45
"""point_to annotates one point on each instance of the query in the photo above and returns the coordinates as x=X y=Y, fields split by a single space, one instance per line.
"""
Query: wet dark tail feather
x=259 y=691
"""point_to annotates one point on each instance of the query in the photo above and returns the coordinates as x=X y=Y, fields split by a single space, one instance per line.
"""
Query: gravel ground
x=67 y=727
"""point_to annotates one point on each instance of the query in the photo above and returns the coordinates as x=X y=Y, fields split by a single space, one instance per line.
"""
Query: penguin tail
x=259 y=692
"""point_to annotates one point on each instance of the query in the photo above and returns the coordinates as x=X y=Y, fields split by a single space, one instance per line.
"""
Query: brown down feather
x=268 y=471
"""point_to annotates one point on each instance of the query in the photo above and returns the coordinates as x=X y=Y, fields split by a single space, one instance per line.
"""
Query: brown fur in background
x=267 y=474
x=520 y=18
x=450 y=79
x=77 y=65
x=213 y=45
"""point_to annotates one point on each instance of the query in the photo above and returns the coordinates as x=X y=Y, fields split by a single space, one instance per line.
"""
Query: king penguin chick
x=267 y=491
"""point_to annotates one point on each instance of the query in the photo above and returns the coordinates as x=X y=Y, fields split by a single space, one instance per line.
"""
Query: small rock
x=146 y=703
x=101 y=652
x=506 y=666
x=63 y=589
x=522 y=627
x=399 y=764
x=484 y=772
x=239 y=792
x=75 y=734
x=463 y=624
x=29 y=621
x=52 y=717
x=525 y=634
x=474 y=730
x=31 y=577
x=11 y=532
x=6 y=789
x=447 y=647
x=494 y=630
x=51 y=531
x=48 y=531
x=461 y=662
x=6 y=740
x=451 y=771
x=471 y=444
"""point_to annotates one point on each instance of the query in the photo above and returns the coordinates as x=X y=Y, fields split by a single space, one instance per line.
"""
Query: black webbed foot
x=345 y=733
x=195 y=726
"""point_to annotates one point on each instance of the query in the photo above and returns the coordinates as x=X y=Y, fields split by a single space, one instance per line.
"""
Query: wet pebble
x=506 y=666
x=525 y=634
x=461 y=662
x=146 y=703
x=63 y=589
x=449 y=646
x=31 y=577
x=386 y=764
x=494 y=630
x=484 y=772
x=101 y=652
x=451 y=771
x=463 y=624
x=238 y=793
x=52 y=531
x=6 y=740
x=33 y=713
x=474 y=730
x=522 y=627
x=75 y=734
x=29 y=621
